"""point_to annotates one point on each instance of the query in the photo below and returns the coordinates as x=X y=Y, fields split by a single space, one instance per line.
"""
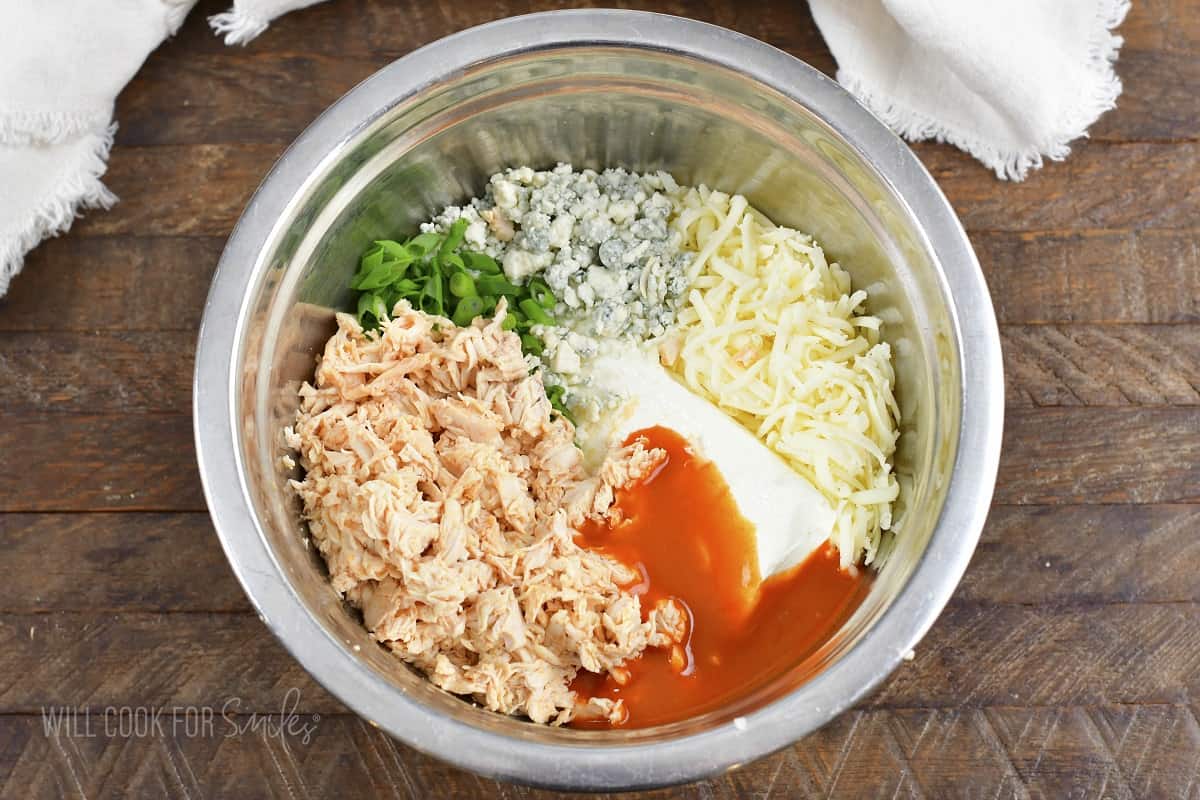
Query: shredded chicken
x=444 y=492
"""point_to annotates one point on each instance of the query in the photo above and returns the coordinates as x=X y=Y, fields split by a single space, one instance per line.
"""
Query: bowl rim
x=588 y=765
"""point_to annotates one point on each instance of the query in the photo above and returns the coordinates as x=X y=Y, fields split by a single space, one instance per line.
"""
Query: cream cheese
x=790 y=516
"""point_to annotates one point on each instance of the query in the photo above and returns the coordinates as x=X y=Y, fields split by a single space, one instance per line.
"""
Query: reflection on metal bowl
x=596 y=89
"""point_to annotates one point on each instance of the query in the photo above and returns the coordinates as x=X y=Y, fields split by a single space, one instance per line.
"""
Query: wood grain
x=1093 y=277
x=112 y=283
x=1052 y=456
x=1089 y=190
x=1101 y=276
x=1063 y=456
x=235 y=96
x=1085 y=555
x=976 y=655
x=256 y=95
x=117 y=562
x=132 y=658
x=1101 y=365
x=85 y=463
x=96 y=373
x=361 y=27
x=1008 y=751
x=1045 y=365
x=1156 y=103
x=173 y=190
x=1051 y=655
x=1163 y=25
x=168 y=562
x=1156 y=63
x=1066 y=665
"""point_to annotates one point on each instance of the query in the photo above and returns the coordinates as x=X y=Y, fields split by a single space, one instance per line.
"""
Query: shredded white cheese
x=772 y=333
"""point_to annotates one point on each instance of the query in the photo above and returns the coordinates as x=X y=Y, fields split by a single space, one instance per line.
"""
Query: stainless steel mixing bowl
x=597 y=88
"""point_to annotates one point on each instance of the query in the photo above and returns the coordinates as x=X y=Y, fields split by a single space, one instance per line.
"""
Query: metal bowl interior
x=597 y=89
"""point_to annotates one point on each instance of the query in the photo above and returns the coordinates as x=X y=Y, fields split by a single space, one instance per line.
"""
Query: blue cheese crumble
x=602 y=243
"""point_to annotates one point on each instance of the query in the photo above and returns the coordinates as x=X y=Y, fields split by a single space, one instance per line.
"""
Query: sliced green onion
x=555 y=395
x=481 y=262
x=372 y=258
x=369 y=262
x=461 y=285
x=451 y=263
x=496 y=285
x=432 y=301
x=379 y=276
x=402 y=289
x=454 y=237
x=535 y=313
x=421 y=245
x=394 y=250
x=541 y=293
x=509 y=322
x=531 y=344
x=371 y=310
x=468 y=309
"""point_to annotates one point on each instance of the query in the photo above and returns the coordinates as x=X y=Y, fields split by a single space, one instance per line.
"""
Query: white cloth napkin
x=1009 y=82
x=62 y=64
x=248 y=18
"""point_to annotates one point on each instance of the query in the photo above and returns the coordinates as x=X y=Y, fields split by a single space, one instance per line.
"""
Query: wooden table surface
x=1066 y=665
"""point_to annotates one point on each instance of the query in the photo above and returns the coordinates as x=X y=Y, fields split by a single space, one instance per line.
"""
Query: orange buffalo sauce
x=684 y=534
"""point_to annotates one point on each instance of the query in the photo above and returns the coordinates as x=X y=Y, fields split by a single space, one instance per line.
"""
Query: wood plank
x=1166 y=25
x=1051 y=655
x=1045 y=365
x=324 y=28
x=1156 y=103
x=135 y=658
x=1088 y=191
x=1076 y=679
x=1104 y=276
x=235 y=96
x=1065 y=456
x=96 y=373
x=356 y=28
x=1081 y=751
x=191 y=92
x=160 y=283
x=112 y=283
x=975 y=655
x=1101 y=365
x=1028 y=555
x=1091 y=189
x=359 y=27
x=257 y=95
x=196 y=91
x=120 y=561
x=788 y=26
x=997 y=752
x=176 y=190
x=1052 y=456
x=56 y=462
x=1085 y=555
